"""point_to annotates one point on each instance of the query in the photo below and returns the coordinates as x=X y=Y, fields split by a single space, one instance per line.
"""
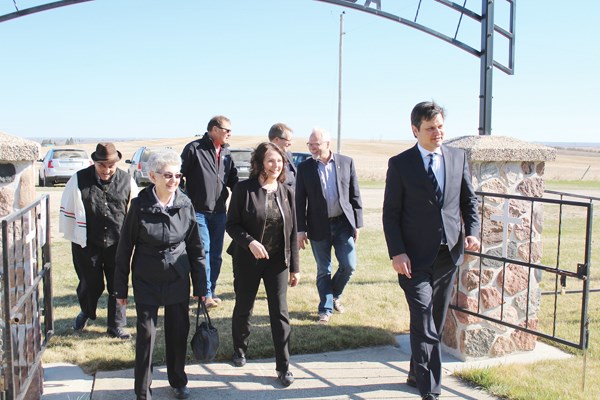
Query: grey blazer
x=311 y=206
x=412 y=219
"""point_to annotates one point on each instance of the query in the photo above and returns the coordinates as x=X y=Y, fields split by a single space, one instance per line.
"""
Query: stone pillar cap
x=14 y=148
x=501 y=148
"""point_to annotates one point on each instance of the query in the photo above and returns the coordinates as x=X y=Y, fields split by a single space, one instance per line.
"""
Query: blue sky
x=150 y=68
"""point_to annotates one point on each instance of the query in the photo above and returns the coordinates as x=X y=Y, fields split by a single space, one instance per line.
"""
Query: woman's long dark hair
x=257 y=168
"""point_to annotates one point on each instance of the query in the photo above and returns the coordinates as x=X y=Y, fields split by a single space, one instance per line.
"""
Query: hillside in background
x=370 y=156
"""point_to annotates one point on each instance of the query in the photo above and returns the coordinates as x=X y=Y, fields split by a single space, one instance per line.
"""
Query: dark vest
x=105 y=205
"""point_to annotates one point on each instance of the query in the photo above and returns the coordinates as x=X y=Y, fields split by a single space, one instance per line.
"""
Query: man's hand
x=401 y=264
x=302 y=240
x=471 y=243
x=294 y=278
x=122 y=302
x=258 y=250
x=356 y=234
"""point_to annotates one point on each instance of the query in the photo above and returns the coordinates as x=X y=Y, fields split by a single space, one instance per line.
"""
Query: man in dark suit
x=429 y=218
x=329 y=213
x=281 y=135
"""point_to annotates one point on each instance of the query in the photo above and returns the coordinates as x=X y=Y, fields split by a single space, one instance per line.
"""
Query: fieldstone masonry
x=17 y=172
x=507 y=166
x=17 y=190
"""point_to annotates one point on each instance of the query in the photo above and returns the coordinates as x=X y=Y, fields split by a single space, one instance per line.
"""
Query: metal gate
x=546 y=275
x=26 y=298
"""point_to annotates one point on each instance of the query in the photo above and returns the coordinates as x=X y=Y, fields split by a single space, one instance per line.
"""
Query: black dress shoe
x=286 y=378
x=411 y=381
x=430 y=396
x=118 y=333
x=80 y=321
x=181 y=393
x=238 y=361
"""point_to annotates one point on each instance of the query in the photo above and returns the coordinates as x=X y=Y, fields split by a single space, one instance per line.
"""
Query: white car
x=60 y=164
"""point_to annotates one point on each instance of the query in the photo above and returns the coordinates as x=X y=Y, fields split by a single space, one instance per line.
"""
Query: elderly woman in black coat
x=261 y=220
x=160 y=231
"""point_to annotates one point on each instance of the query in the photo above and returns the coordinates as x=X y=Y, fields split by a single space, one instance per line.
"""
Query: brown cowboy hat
x=106 y=152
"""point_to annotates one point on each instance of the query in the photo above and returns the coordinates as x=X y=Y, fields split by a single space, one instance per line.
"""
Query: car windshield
x=62 y=154
x=146 y=155
x=241 y=156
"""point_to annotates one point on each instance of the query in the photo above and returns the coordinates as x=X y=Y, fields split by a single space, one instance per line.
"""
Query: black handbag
x=205 y=342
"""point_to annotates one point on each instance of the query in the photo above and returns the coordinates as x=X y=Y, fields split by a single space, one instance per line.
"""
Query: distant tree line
x=52 y=142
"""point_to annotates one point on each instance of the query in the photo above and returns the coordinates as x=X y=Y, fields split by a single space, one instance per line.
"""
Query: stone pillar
x=507 y=166
x=17 y=190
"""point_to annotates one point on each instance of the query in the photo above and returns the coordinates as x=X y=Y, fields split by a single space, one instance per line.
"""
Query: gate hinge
x=583 y=271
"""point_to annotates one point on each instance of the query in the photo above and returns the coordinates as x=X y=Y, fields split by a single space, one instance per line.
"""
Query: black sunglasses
x=226 y=130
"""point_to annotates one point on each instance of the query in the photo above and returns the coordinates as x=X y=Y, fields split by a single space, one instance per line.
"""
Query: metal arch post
x=487 y=67
x=40 y=8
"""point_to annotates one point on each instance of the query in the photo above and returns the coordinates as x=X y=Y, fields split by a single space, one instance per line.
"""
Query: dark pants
x=246 y=282
x=177 y=326
x=428 y=295
x=93 y=264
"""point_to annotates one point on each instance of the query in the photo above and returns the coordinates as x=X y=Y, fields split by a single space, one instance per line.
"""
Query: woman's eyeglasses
x=168 y=175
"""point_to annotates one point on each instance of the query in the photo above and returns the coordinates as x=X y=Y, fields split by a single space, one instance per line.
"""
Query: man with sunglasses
x=208 y=170
x=281 y=135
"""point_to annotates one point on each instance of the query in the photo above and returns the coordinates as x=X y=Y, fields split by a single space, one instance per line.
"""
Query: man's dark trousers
x=428 y=295
x=93 y=264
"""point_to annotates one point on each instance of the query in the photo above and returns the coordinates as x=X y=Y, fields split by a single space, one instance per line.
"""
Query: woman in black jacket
x=262 y=223
x=161 y=232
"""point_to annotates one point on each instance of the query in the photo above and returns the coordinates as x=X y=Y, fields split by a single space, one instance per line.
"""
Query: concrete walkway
x=370 y=373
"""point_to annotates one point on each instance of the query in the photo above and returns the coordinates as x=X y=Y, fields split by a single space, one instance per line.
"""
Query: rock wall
x=17 y=190
x=511 y=230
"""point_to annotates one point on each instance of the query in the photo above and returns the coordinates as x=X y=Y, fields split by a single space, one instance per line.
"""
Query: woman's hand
x=258 y=250
x=294 y=278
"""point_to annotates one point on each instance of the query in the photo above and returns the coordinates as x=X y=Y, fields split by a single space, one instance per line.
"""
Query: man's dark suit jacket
x=311 y=206
x=412 y=221
x=290 y=174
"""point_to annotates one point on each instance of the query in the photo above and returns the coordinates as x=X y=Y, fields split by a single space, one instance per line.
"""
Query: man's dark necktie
x=439 y=195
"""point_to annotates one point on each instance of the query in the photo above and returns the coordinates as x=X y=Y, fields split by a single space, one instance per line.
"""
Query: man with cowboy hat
x=92 y=211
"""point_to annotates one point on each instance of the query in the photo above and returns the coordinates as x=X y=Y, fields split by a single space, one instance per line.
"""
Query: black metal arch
x=485 y=52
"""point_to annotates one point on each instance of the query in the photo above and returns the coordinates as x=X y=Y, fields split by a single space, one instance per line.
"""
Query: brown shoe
x=210 y=303
x=216 y=300
x=337 y=305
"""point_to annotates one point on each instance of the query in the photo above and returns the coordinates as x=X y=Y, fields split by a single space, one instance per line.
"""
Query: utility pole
x=339 y=127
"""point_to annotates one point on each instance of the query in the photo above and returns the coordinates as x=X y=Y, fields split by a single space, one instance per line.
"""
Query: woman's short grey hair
x=160 y=159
